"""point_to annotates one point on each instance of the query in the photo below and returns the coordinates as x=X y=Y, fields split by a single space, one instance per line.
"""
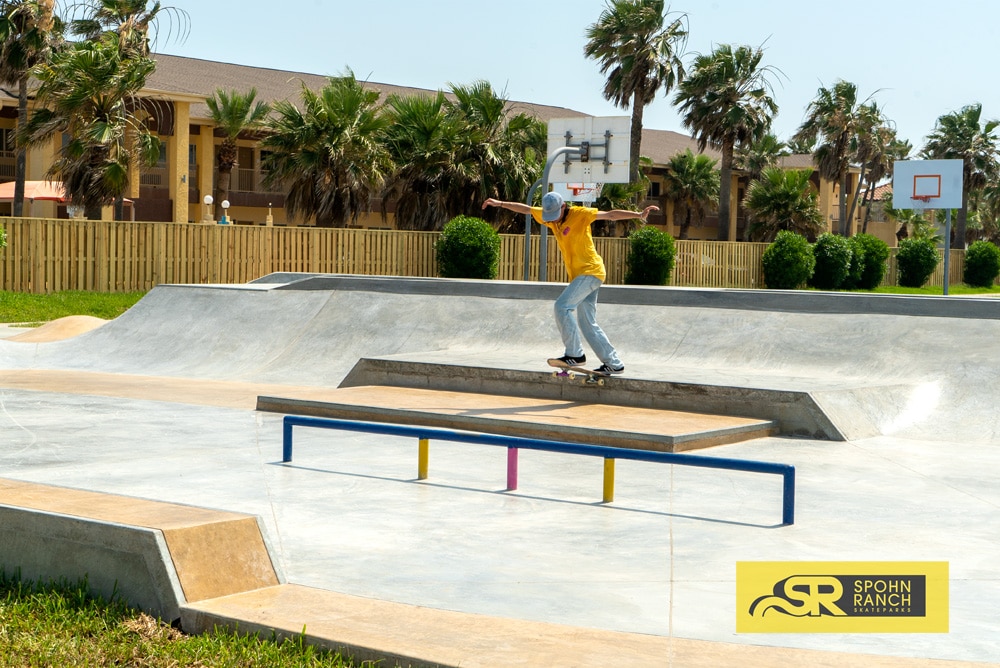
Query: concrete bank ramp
x=920 y=366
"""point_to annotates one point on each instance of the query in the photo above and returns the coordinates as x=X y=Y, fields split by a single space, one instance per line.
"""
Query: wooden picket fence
x=44 y=255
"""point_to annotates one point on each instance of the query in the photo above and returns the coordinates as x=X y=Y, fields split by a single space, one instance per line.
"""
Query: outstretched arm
x=621 y=214
x=516 y=207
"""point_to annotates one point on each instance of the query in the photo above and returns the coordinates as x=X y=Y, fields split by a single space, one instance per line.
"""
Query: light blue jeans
x=576 y=313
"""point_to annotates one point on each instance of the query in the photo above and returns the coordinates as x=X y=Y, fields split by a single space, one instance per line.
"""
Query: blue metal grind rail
x=514 y=443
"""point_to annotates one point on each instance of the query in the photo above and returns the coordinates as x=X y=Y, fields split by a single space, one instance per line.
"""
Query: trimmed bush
x=788 y=262
x=871 y=261
x=916 y=260
x=833 y=261
x=857 y=267
x=982 y=264
x=468 y=248
x=650 y=257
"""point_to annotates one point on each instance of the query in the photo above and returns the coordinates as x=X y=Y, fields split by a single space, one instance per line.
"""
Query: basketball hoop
x=585 y=193
x=922 y=198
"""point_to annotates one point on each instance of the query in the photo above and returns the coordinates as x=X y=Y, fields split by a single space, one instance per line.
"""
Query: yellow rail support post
x=422 y=458
x=609 y=480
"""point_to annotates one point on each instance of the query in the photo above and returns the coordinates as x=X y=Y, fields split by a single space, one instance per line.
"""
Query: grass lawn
x=31 y=308
x=59 y=624
x=959 y=289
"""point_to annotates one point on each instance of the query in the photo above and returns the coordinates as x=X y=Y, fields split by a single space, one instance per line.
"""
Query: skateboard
x=572 y=372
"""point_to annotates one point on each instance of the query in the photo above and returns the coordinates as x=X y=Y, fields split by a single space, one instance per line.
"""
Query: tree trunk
x=854 y=199
x=686 y=225
x=222 y=189
x=725 y=190
x=867 y=203
x=960 y=219
x=21 y=157
x=635 y=140
x=843 y=204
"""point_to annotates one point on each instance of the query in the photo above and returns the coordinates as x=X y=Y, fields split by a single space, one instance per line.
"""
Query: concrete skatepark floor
x=348 y=515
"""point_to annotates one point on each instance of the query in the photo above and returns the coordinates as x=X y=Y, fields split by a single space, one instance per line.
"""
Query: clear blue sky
x=919 y=59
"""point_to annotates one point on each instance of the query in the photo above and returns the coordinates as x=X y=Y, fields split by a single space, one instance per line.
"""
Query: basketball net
x=585 y=193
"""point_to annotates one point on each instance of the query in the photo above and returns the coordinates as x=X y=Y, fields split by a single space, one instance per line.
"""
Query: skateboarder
x=576 y=307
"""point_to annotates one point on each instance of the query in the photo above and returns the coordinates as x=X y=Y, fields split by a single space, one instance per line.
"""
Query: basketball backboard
x=927 y=184
x=606 y=139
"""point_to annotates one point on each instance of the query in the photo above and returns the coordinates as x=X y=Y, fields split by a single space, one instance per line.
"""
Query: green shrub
x=833 y=261
x=857 y=266
x=871 y=261
x=468 y=248
x=916 y=261
x=788 y=262
x=3 y=237
x=650 y=257
x=982 y=264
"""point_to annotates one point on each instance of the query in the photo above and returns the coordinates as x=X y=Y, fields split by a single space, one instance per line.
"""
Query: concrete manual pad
x=659 y=563
x=594 y=424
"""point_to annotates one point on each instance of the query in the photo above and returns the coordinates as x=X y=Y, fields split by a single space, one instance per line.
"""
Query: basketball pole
x=947 y=248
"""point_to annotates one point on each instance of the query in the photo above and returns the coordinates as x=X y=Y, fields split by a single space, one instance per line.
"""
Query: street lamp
x=208 y=209
x=225 y=212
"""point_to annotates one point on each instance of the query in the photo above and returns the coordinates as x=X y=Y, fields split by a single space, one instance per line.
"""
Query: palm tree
x=424 y=139
x=234 y=113
x=640 y=56
x=90 y=92
x=887 y=150
x=962 y=135
x=131 y=20
x=494 y=145
x=874 y=132
x=692 y=182
x=331 y=154
x=757 y=156
x=29 y=31
x=453 y=153
x=783 y=199
x=833 y=119
x=727 y=101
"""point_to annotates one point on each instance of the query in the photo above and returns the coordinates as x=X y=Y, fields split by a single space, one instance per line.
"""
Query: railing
x=7 y=164
x=154 y=177
x=249 y=181
x=49 y=255
x=514 y=444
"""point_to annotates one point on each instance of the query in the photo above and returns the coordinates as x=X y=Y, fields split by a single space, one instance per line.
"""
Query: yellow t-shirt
x=575 y=241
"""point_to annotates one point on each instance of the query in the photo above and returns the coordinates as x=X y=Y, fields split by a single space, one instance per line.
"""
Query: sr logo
x=803 y=596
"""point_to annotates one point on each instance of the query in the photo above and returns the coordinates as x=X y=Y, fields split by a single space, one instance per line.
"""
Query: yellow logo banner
x=842 y=597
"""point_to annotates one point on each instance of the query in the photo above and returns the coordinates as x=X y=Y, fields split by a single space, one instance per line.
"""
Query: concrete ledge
x=794 y=412
x=154 y=555
x=396 y=634
x=589 y=423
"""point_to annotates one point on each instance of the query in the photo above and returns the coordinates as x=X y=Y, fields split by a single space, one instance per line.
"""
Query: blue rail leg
x=788 y=498
x=286 y=441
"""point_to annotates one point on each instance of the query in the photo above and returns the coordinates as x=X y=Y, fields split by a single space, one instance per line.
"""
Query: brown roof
x=661 y=145
x=201 y=78
x=204 y=77
x=797 y=161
